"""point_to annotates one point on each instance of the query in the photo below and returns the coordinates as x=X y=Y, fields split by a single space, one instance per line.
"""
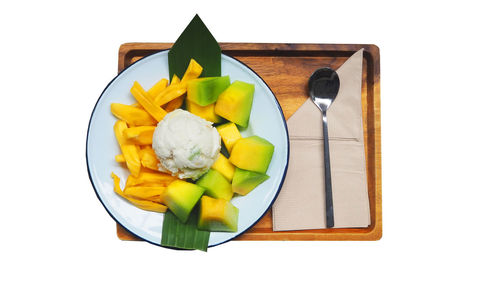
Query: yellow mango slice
x=149 y=159
x=252 y=153
x=130 y=151
x=217 y=215
x=144 y=192
x=174 y=104
x=132 y=115
x=143 y=204
x=147 y=185
x=157 y=88
x=120 y=158
x=170 y=93
x=205 y=112
x=141 y=135
x=154 y=91
x=156 y=199
x=175 y=80
x=193 y=71
x=229 y=134
x=224 y=166
x=235 y=103
x=177 y=89
x=149 y=105
x=150 y=177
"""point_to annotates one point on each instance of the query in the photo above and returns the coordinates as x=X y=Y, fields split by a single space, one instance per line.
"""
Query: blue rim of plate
x=242 y=232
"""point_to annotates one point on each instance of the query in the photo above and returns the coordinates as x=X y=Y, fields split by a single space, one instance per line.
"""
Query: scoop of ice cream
x=186 y=145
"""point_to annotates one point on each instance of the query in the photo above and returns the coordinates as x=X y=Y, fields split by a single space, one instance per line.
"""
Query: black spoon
x=324 y=86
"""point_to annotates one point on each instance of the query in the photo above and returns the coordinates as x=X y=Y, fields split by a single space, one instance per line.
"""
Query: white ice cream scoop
x=186 y=145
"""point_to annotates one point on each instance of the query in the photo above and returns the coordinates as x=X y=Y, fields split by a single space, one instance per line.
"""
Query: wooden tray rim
x=372 y=53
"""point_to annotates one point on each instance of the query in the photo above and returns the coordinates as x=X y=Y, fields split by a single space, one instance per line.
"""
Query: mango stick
x=129 y=151
x=143 y=204
x=170 y=93
x=149 y=159
x=175 y=80
x=141 y=135
x=167 y=94
x=157 y=87
x=160 y=184
x=193 y=71
x=144 y=192
x=176 y=90
x=120 y=158
x=156 y=199
x=149 y=105
x=150 y=177
x=154 y=91
x=132 y=115
x=174 y=104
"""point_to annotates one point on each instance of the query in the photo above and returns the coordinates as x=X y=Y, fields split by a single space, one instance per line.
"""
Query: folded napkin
x=301 y=202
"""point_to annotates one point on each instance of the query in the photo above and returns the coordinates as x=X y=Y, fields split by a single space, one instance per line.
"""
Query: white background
x=440 y=113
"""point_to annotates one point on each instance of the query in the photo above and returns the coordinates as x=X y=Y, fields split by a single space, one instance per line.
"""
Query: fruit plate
x=286 y=69
x=266 y=120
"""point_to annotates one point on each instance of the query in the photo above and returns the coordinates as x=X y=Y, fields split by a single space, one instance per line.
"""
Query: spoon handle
x=328 y=176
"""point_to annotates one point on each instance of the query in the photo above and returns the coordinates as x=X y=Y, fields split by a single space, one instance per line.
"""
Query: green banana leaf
x=195 y=42
x=183 y=235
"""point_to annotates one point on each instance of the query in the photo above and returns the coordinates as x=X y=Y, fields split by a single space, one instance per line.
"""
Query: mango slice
x=216 y=185
x=149 y=159
x=253 y=153
x=156 y=199
x=174 y=104
x=175 y=80
x=143 y=204
x=205 y=112
x=180 y=197
x=132 y=115
x=154 y=91
x=176 y=90
x=157 y=88
x=144 y=192
x=245 y=181
x=120 y=158
x=149 y=178
x=145 y=101
x=193 y=71
x=224 y=166
x=217 y=215
x=170 y=93
x=141 y=135
x=206 y=90
x=235 y=103
x=159 y=184
x=129 y=150
x=229 y=134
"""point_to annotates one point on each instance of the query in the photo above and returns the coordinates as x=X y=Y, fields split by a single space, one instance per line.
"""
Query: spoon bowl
x=324 y=85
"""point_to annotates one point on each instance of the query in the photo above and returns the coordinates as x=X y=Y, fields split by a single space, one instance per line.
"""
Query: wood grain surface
x=286 y=69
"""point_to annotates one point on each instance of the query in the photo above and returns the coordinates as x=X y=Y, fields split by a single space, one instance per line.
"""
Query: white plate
x=266 y=120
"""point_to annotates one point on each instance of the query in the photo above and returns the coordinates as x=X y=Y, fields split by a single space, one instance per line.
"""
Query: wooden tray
x=286 y=69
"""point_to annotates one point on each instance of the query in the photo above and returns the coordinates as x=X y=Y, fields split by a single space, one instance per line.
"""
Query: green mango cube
x=235 y=103
x=216 y=185
x=180 y=197
x=205 y=91
x=217 y=215
x=245 y=181
x=252 y=153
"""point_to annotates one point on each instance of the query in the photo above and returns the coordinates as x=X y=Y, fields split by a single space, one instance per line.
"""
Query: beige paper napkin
x=301 y=202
